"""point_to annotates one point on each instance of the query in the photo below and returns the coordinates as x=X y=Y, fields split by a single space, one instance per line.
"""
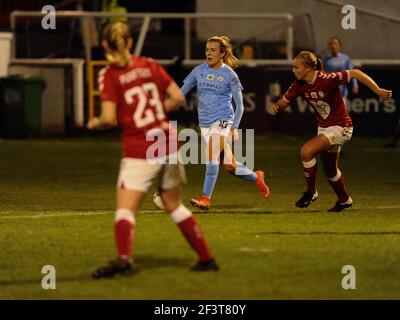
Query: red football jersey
x=324 y=96
x=138 y=91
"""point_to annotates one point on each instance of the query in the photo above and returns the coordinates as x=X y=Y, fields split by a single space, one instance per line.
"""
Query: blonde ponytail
x=117 y=36
x=226 y=46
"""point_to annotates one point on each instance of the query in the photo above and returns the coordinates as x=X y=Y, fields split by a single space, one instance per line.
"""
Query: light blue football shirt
x=214 y=92
x=339 y=63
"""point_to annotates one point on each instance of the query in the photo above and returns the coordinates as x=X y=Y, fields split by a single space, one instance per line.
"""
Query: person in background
x=338 y=61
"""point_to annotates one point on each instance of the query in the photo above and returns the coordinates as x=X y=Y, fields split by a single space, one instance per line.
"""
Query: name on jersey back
x=138 y=73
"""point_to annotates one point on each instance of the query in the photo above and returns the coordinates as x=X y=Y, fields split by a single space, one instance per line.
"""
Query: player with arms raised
x=335 y=127
x=136 y=93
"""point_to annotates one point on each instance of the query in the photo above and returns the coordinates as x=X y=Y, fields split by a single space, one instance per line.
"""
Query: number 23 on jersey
x=149 y=107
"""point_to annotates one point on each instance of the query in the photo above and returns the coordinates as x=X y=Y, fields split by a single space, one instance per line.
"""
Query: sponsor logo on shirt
x=209 y=86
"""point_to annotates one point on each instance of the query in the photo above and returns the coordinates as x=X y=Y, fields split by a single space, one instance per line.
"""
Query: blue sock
x=245 y=173
x=212 y=170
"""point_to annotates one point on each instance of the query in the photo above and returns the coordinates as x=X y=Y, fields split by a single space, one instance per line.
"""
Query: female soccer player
x=335 y=128
x=135 y=93
x=217 y=84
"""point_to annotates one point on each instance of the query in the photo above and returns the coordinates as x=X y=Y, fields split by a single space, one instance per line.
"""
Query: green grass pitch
x=57 y=203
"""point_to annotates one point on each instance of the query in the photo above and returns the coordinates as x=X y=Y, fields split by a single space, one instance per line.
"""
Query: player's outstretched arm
x=370 y=83
x=239 y=109
x=107 y=118
x=175 y=97
x=273 y=109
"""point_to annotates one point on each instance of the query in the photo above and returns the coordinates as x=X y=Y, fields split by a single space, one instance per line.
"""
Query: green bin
x=21 y=106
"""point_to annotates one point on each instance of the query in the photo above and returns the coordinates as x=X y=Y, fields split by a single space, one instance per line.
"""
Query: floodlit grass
x=57 y=204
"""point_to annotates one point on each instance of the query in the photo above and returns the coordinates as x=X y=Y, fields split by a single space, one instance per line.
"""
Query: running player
x=217 y=84
x=335 y=127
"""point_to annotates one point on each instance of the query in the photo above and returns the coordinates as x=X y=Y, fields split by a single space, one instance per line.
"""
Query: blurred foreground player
x=335 y=127
x=136 y=93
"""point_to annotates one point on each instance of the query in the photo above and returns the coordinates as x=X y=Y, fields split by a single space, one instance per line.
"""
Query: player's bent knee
x=230 y=167
x=171 y=206
x=171 y=199
x=306 y=154
x=125 y=214
x=330 y=169
x=180 y=214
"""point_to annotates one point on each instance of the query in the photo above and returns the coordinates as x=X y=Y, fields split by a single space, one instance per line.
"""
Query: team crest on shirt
x=220 y=78
x=321 y=94
x=314 y=95
x=210 y=77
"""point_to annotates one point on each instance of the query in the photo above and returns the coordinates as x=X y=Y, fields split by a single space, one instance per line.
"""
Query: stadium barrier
x=144 y=20
x=262 y=79
x=263 y=85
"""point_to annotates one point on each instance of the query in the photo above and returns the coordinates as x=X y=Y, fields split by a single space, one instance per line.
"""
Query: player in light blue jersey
x=217 y=84
x=338 y=61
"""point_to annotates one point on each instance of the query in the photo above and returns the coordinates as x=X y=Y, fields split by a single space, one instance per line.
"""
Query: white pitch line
x=375 y=208
x=8 y=214
x=262 y=250
x=383 y=208
x=66 y=214
x=111 y=213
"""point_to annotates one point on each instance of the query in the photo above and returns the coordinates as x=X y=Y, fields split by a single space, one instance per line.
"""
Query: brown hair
x=310 y=59
x=225 y=44
x=336 y=38
x=117 y=35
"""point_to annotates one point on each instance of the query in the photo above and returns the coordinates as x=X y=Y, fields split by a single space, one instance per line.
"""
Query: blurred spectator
x=337 y=61
x=247 y=52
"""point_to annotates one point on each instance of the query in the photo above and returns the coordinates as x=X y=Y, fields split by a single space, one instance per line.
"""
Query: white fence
x=186 y=17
